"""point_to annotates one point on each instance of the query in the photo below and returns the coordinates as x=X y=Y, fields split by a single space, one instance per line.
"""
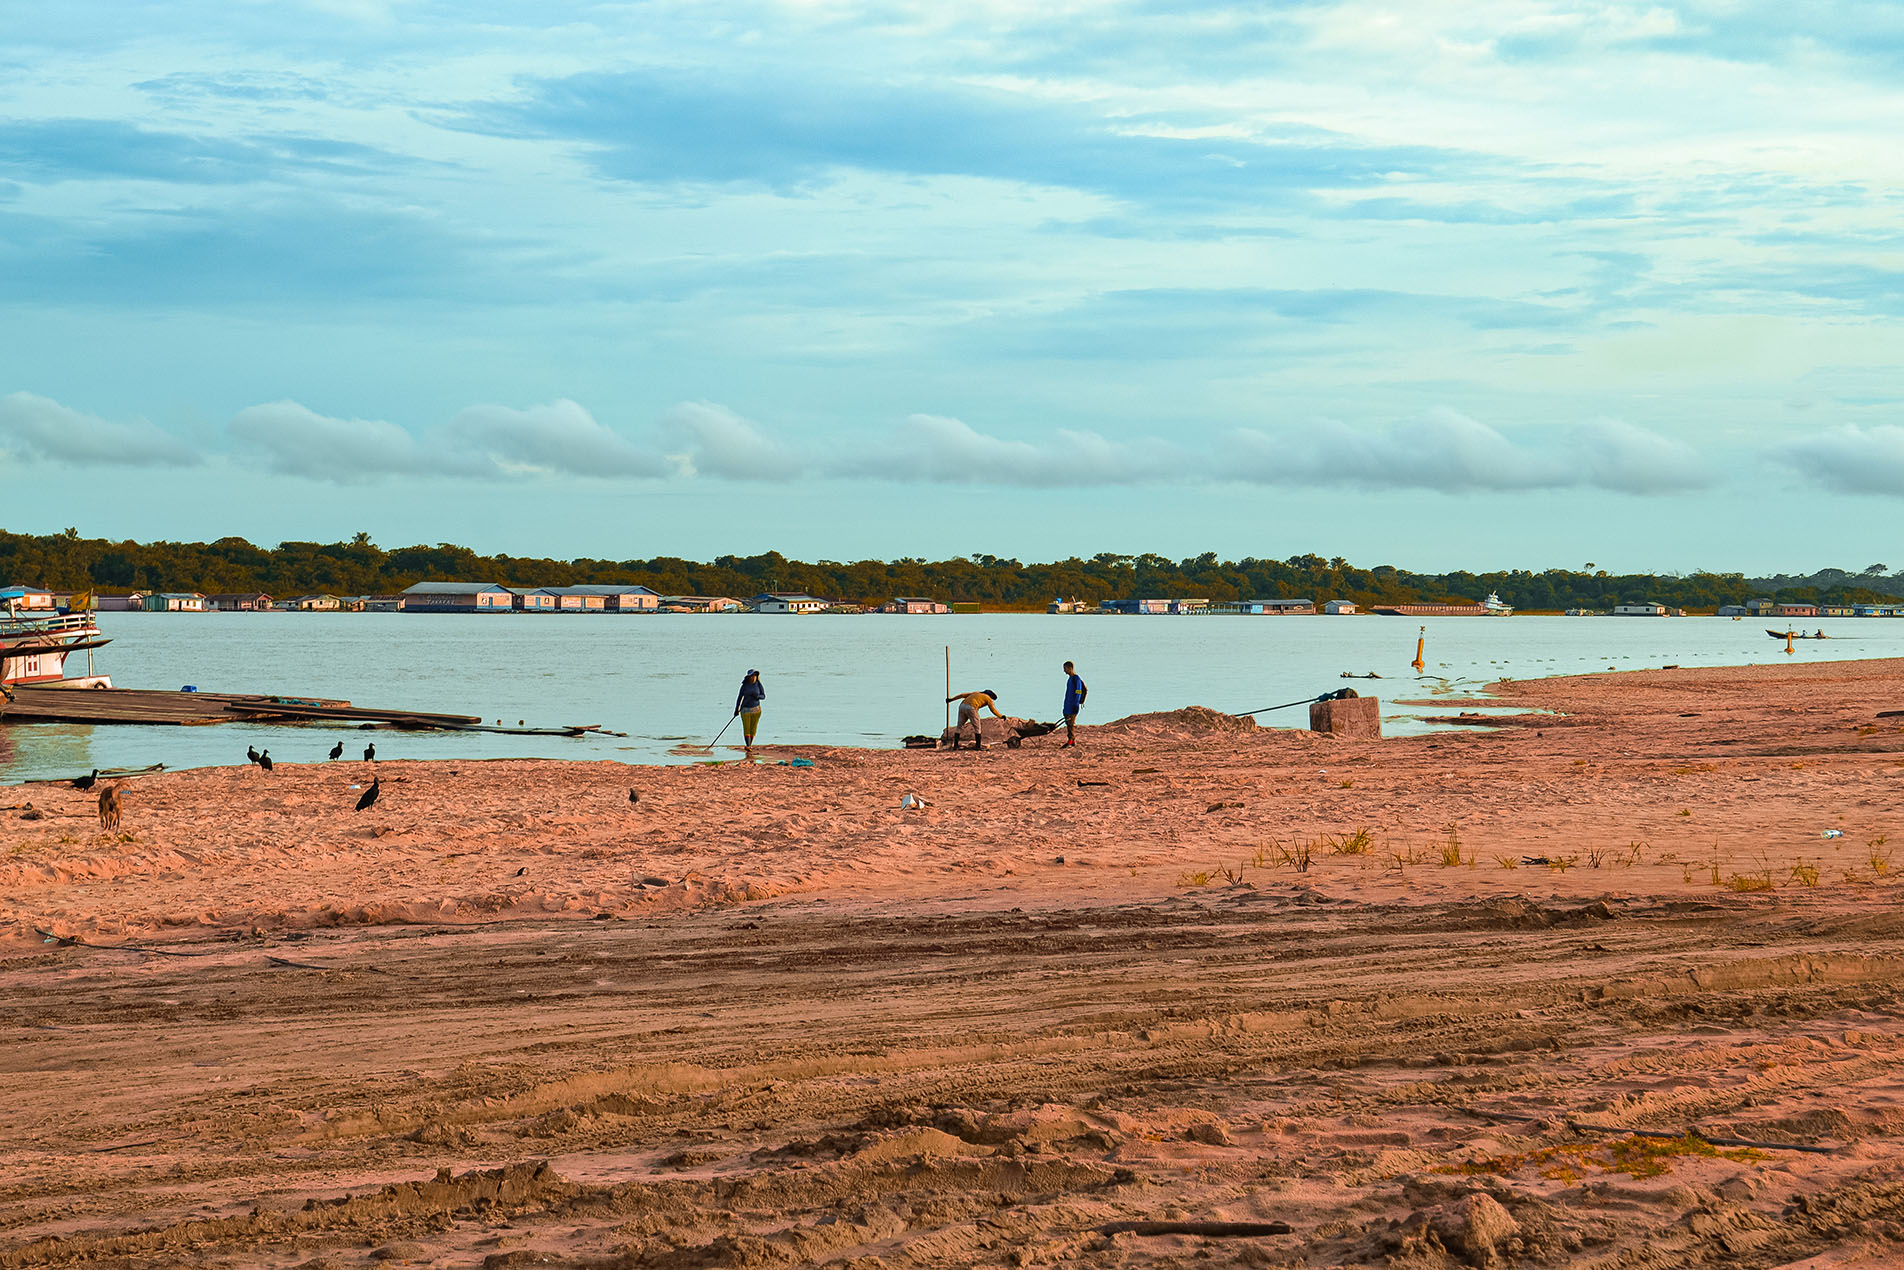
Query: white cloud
x=1850 y=460
x=1440 y=450
x=560 y=437
x=37 y=427
x=941 y=450
x=1617 y=456
x=1446 y=451
x=722 y=443
x=294 y=439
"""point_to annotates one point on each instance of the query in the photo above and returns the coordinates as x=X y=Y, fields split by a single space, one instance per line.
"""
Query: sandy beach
x=1409 y=998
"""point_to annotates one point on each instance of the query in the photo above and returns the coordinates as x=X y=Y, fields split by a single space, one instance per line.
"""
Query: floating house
x=1336 y=607
x=314 y=604
x=1062 y=605
x=27 y=599
x=1644 y=609
x=1134 y=606
x=1287 y=608
x=532 y=599
x=1779 y=608
x=1248 y=608
x=239 y=602
x=614 y=598
x=913 y=604
x=700 y=604
x=785 y=602
x=175 y=602
x=457 y=597
x=1836 y=610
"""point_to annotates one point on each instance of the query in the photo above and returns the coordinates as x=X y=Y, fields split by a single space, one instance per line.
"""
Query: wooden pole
x=948 y=685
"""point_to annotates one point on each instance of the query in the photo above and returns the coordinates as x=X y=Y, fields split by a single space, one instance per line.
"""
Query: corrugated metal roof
x=451 y=588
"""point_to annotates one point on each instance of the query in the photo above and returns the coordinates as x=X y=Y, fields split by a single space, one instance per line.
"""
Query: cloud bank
x=1440 y=450
x=557 y=439
x=1849 y=460
x=1445 y=451
x=40 y=428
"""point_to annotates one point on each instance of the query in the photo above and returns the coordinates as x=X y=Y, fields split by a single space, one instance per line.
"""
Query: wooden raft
x=185 y=709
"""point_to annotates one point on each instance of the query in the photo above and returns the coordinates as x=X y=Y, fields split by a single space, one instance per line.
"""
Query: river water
x=836 y=680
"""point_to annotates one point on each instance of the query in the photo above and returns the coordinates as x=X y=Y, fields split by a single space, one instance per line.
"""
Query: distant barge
x=1490 y=607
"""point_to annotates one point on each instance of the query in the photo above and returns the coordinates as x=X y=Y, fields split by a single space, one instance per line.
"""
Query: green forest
x=67 y=561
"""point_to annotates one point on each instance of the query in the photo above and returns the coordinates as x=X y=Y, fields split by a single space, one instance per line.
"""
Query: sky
x=1442 y=286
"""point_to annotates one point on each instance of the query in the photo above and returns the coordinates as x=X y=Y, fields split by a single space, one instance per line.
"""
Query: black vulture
x=251 y=753
x=86 y=782
x=370 y=796
x=264 y=760
x=633 y=797
x=337 y=751
x=370 y=753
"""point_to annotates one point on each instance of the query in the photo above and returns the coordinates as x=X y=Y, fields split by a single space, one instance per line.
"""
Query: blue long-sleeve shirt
x=1074 y=691
x=752 y=693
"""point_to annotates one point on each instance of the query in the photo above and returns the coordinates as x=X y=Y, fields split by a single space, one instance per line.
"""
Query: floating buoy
x=1788 y=643
x=1421 y=644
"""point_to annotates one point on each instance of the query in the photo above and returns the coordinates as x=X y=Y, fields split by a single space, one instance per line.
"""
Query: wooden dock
x=186 y=709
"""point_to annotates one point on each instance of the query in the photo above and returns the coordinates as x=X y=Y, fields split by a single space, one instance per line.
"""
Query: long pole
x=948 y=685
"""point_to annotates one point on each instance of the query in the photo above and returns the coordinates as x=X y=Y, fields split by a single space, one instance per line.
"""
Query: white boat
x=1493 y=607
x=34 y=649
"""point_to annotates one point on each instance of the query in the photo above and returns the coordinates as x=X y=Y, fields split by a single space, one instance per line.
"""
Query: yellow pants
x=750 y=723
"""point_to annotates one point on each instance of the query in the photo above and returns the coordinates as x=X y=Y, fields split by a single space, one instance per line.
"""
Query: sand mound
x=1184 y=724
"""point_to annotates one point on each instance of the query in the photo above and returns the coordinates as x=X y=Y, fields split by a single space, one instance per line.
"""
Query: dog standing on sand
x=109 y=807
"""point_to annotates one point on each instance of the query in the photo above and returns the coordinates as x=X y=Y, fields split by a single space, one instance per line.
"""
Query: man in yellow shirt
x=970 y=703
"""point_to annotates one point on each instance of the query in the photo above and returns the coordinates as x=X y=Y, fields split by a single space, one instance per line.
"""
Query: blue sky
x=1496 y=284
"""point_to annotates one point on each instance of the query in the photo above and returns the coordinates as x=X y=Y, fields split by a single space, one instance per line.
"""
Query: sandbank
x=1404 y=995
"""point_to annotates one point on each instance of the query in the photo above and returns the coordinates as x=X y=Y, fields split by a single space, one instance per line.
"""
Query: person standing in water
x=747 y=706
x=1074 y=694
x=970 y=703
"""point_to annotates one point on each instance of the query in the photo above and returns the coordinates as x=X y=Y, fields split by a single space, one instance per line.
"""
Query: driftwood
x=1207 y=1229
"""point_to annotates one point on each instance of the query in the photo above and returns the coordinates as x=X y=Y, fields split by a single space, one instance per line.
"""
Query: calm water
x=865 y=680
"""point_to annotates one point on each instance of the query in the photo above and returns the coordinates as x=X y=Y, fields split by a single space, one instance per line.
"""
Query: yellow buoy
x=1788 y=642
x=1421 y=644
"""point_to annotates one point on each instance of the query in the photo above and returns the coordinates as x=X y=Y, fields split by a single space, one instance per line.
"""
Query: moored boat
x=34 y=649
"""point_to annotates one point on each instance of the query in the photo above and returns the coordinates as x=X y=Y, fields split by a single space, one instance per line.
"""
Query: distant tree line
x=67 y=561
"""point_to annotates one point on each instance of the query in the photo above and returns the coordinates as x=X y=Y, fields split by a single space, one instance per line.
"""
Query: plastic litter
x=912 y=802
x=1832 y=833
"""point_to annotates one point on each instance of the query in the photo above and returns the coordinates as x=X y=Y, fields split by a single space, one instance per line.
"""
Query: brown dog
x=109 y=807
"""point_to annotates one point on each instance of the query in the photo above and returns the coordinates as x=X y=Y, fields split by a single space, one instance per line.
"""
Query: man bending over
x=970 y=703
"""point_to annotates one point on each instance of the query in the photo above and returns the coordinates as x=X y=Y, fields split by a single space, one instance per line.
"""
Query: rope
x=1340 y=694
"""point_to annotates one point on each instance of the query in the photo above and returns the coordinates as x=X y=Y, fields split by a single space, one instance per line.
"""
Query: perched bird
x=524 y=869
x=633 y=797
x=86 y=782
x=337 y=751
x=251 y=752
x=264 y=760
x=370 y=795
x=370 y=753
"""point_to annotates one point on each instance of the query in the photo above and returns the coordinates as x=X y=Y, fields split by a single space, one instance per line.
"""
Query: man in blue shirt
x=1074 y=694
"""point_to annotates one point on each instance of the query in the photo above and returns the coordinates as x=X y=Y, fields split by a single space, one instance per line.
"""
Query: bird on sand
x=370 y=753
x=633 y=797
x=86 y=782
x=370 y=795
x=251 y=753
x=264 y=760
x=337 y=751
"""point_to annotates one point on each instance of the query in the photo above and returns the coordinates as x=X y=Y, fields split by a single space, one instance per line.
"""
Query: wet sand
x=764 y=1017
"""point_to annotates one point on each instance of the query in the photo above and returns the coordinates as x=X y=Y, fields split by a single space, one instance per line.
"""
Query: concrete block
x=1353 y=717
